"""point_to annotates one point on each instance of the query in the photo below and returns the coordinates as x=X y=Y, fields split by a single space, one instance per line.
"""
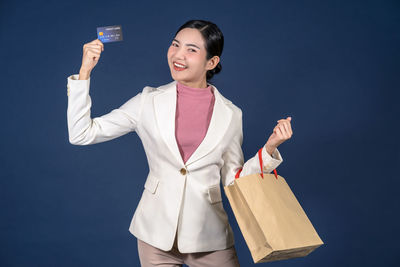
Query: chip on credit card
x=109 y=34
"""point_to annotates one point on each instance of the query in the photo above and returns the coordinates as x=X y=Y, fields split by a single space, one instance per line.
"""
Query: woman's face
x=188 y=51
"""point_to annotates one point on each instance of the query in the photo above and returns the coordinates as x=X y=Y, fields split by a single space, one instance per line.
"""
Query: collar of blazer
x=165 y=107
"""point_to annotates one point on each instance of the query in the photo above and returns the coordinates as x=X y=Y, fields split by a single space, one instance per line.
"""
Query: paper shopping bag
x=273 y=224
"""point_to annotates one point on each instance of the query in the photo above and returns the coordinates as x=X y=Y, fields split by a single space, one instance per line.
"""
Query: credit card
x=109 y=34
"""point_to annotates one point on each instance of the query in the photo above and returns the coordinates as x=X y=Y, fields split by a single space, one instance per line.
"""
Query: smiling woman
x=192 y=137
x=194 y=55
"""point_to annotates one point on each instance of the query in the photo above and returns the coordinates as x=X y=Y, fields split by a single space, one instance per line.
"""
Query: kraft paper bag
x=273 y=224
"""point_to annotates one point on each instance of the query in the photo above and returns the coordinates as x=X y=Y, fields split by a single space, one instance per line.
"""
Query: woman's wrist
x=84 y=74
x=270 y=149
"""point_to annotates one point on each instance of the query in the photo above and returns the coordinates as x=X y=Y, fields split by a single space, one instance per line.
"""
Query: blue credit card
x=109 y=34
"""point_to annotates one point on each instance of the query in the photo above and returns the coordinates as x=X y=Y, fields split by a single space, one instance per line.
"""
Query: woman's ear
x=212 y=62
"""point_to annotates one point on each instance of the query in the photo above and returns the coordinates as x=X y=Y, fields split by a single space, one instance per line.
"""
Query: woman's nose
x=179 y=53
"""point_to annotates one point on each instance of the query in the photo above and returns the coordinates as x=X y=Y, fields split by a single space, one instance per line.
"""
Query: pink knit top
x=194 y=108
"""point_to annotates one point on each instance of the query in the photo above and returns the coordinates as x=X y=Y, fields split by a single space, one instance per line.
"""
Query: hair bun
x=218 y=68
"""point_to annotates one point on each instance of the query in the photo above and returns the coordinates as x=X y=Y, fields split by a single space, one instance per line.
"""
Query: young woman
x=192 y=137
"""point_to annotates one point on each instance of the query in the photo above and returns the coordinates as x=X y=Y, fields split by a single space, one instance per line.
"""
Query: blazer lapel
x=165 y=108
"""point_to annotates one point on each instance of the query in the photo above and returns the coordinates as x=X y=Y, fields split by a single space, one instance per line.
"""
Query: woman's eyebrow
x=187 y=44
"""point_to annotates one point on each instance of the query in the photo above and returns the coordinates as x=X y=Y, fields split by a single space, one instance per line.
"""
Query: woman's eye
x=174 y=44
x=192 y=50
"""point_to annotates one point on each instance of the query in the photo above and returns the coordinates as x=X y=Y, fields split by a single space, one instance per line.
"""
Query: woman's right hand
x=91 y=55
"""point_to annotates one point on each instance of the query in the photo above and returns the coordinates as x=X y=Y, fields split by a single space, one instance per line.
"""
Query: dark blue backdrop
x=331 y=65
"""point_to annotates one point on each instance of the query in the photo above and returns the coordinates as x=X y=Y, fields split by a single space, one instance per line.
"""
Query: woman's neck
x=200 y=85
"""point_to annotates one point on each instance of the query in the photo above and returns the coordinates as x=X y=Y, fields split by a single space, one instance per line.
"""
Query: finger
x=283 y=130
x=100 y=43
x=281 y=120
x=94 y=50
x=94 y=46
x=286 y=125
x=279 y=133
x=96 y=41
x=276 y=129
x=101 y=46
x=97 y=49
x=290 y=128
x=278 y=125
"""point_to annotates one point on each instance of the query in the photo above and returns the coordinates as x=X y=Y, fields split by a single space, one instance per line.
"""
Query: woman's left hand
x=281 y=133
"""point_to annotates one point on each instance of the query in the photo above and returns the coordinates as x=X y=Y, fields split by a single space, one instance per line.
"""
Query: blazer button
x=183 y=171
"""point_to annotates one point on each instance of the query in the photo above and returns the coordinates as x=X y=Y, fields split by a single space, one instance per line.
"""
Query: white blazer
x=178 y=197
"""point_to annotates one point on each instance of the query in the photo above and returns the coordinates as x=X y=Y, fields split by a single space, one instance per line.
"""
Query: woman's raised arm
x=82 y=129
x=234 y=159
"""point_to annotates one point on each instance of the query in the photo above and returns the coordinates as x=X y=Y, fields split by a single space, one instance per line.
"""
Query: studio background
x=331 y=65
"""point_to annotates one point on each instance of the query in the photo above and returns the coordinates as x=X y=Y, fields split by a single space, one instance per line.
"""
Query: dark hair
x=213 y=39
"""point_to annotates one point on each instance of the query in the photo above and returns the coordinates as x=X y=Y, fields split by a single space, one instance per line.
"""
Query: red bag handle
x=261 y=164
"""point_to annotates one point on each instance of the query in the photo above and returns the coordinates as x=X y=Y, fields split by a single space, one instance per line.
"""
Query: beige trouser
x=151 y=256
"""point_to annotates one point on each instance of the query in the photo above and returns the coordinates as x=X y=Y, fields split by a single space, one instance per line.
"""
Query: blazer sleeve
x=234 y=160
x=83 y=130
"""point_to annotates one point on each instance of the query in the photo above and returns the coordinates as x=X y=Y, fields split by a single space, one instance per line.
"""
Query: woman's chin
x=177 y=77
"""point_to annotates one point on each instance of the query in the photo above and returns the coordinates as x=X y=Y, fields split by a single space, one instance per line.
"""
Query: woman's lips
x=178 y=68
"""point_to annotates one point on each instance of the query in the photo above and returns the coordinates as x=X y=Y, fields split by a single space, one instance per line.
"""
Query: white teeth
x=179 y=65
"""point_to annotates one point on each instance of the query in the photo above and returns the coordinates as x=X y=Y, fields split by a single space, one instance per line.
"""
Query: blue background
x=331 y=65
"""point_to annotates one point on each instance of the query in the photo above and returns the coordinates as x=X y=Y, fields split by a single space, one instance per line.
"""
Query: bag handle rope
x=261 y=166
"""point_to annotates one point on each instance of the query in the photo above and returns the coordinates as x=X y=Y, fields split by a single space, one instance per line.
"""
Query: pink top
x=194 y=108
